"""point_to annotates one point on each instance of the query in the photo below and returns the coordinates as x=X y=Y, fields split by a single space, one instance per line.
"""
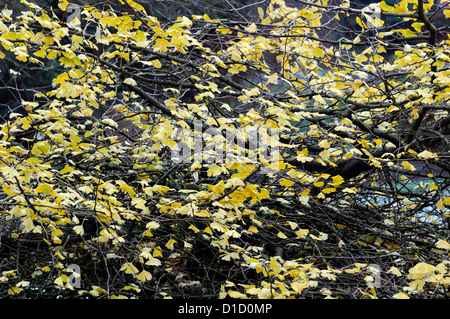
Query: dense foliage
x=288 y=151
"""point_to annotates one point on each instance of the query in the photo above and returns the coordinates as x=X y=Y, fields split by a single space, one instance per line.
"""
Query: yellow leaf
x=421 y=270
x=22 y=283
x=328 y=190
x=442 y=244
x=302 y=233
x=63 y=4
x=401 y=295
x=337 y=180
x=286 y=183
x=417 y=26
x=157 y=252
x=440 y=204
x=31 y=5
x=274 y=265
x=195 y=229
x=152 y=225
x=426 y=154
x=325 y=154
x=123 y=186
x=236 y=294
x=272 y=79
x=353 y=270
x=260 y=13
x=45 y=189
x=215 y=170
x=130 y=81
x=324 y=144
x=14 y=291
x=170 y=244
x=218 y=188
x=251 y=28
x=281 y=235
x=135 y=5
x=152 y=261
x=11 y=190
x=139 y=203
x=408 y=166
x=66 y=169
x=395 y=271
x=292 y=225
x=28 y=224
x=79 y=230
x=129 y=268
x=447 y=14
x=144 y=275
x=61 y=280
x=322 y=236
x=318 y=52
x=361 y=58
x=161 y=45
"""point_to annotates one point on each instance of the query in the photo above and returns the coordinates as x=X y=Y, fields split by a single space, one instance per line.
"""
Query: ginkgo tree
x=297 y=152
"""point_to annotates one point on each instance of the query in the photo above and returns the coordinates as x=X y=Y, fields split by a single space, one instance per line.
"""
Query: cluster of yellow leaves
x=45 y=205
x=423 y=274
x=285 y=279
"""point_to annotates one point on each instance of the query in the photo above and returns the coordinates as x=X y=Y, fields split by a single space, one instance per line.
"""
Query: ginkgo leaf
x=325 y=144
x=401 y=295
x=61 y=280
x=28 y=224
x=11 y=190
x=281 y=235
x=292 y=225
x=215 y=169
x=322 y=236
x=144 y=276
x=442 y=244
x=161 y=44
x=286 y=183
x=125 y=187
x=63 y=4
x=440 y=204
x=79 y=229
x=195 y=229
x=45 y=189
x=22 y=283
x=14 y=291
x=152 y=225
x=421 y=270
x=67 y=169
x=408 y=166
x=110 y=122
x=325 y=154
x=273 y=79
x=170 y=244
x=139 y=203
x=302 y=233
x=251 y=28
x=129 y=268
x=447 y=13
x=153 y=262
x=337 y=180
x=426 y=155
x=395 y=271
x=236 y=294
x=130 y=81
